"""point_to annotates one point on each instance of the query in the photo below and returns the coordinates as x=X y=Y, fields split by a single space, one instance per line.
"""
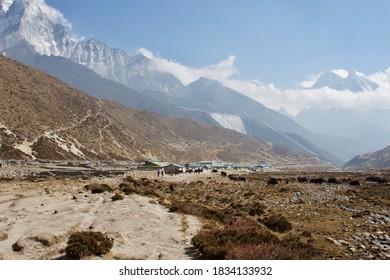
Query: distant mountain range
x=343 y=80
x=37 y=35
x=362 y=131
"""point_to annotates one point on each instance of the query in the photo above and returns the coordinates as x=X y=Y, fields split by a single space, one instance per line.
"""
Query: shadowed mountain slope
x=375 y=160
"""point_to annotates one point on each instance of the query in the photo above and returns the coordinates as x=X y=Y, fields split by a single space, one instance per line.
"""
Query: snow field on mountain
x=229 y=121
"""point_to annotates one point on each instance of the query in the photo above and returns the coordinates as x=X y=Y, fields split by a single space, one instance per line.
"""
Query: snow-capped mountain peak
x=34 y=22
x=341 y=80
x=341 y=72
x=34 y=26
x=4 y=5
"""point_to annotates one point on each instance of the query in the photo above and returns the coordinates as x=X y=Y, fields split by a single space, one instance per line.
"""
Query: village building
x=153 y=165
x=173 y=168
x=260 y=166
x=221 y=165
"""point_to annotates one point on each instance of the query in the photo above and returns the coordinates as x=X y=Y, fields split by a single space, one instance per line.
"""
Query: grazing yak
x=333 y=180
x=236 y=179
x=376 y=180
x=302 y=179
x=354 y=183
x=317 y=181
x=272 y=181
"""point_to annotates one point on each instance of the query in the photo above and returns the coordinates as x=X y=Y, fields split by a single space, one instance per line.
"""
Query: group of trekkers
x=160 y=173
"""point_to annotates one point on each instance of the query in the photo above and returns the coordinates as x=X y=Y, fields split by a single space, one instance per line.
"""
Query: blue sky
x=273 y=41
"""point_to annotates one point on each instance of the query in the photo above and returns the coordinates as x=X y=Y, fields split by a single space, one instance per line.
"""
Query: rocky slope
x=376 y=160
x=43 y=118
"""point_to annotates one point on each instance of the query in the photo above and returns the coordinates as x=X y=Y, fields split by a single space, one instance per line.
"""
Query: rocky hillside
x=375 y=160
x=43 y=118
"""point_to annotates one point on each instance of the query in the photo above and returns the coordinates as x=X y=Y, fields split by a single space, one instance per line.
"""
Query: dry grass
x=251 y=220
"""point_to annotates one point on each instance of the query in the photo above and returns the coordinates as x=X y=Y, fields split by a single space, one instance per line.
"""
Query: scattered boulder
x=330 y=239
x=18 y=246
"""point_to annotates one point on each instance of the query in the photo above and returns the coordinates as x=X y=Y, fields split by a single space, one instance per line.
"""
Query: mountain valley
x=36 y=35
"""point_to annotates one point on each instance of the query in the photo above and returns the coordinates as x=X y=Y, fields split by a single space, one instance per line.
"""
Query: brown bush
x=277 y=223
x=130 y=179
x=3 y=236
x=192 y=208
x=117 y=197
x=87 y=243
x=216 y=244
x=255 y=208
x=249 y=240
x=127 y=189
x=150 y=192
x=302 y=250
x=263 y=251
x=98 y=188
x=145 y=182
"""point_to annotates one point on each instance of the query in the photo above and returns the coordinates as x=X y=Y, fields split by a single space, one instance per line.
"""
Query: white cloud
x=293 y=100
x=382 y=78
x=297 y=99
x=221 y=71
x=54 y=15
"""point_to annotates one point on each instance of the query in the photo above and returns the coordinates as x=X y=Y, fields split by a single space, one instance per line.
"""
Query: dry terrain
x=162 y=218
x=37 y=217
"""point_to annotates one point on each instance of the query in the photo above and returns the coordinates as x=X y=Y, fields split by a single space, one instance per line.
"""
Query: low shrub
x=130 y=179
x=277 y=223
x=255 y=208
x=216 y=244
x=263 y=251
x=303 y=251
x=249 y=240
x=284 y=190
x=145 y=182
x=127 y=189
x=87 y=243
x=98 y=188
x=192 y=208
x=150 y=193
x=117 y=197
x=173 y=209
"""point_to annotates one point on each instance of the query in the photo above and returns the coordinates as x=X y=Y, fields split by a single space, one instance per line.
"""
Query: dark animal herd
x=316 y=181
x=196 y=171
x=331 y=180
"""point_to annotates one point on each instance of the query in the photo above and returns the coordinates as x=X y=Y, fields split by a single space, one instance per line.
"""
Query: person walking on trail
x=162 y=173
x=158 y=173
